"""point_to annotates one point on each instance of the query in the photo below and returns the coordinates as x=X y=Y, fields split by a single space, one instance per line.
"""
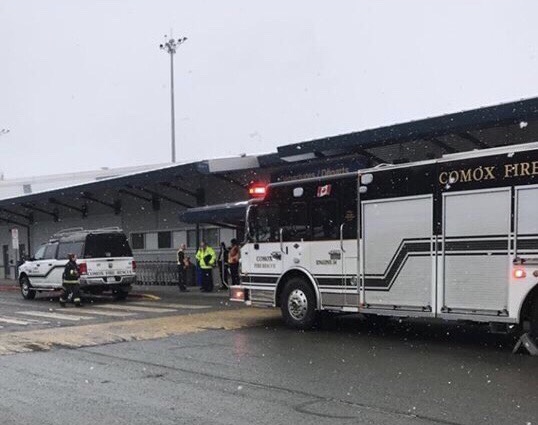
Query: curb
x=5 y=288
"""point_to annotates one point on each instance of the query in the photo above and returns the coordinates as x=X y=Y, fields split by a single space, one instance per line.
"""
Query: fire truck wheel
x=298 y=304
x=534 y=319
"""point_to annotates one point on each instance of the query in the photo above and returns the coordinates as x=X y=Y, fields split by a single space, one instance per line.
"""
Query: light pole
x=170 y=47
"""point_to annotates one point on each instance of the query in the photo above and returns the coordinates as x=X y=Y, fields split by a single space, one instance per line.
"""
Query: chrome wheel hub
x=297 y=304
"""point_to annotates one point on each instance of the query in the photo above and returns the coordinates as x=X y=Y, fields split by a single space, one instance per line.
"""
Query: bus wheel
x=298 y=304
x=26 y=289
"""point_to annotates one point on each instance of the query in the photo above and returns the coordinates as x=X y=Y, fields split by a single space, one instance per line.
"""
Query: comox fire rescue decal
x=264 y=262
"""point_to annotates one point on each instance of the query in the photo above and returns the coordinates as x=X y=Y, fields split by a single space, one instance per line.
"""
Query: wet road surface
x=255 y=371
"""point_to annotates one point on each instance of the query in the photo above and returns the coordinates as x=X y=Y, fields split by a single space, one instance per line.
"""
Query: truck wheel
x=534 y=320
x=26 y=289
x=298 y=304
x=120 y=294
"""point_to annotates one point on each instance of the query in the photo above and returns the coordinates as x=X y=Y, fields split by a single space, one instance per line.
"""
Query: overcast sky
x=83 y=84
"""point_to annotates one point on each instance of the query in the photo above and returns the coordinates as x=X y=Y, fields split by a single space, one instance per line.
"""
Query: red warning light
x=257 y=191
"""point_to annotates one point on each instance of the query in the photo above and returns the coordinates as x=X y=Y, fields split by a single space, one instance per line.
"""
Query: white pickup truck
x=103 y=255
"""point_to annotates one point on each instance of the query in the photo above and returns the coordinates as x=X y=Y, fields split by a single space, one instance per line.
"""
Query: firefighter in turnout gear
x=70 y=282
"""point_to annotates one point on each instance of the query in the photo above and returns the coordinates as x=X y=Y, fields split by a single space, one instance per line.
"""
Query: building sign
x=15 y=238
x=320 y=168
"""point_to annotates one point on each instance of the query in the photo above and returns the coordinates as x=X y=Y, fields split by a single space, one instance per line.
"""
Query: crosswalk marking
x=177 y=306
x=136 y=308
x=14 y=321
x=57 y=316
x=85 y=310
x=18 y=321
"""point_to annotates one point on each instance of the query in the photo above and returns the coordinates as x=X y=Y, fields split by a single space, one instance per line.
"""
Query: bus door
x=475 y=252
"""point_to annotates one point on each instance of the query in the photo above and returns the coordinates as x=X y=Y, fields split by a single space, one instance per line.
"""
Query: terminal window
x=164 y=240
x=137 y=241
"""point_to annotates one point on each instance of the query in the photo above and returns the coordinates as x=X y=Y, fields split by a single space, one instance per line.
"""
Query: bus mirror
x=367 y=178
x=298 y=192
x=363 y=189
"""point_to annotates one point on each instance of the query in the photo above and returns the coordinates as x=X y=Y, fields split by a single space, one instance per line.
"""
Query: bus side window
x=295 y=223
x=325 y=220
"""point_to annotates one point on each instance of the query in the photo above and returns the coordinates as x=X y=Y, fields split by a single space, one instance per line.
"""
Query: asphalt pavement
x=226 y=364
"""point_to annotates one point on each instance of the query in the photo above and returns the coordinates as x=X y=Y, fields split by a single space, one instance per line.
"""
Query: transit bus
x=454 y=238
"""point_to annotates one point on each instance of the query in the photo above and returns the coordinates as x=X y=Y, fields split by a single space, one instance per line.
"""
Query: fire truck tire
x=298 y=304
x=534 y=319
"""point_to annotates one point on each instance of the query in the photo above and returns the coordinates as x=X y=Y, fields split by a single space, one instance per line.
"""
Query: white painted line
x=84 y=310
x=18 y=321
x=135 y=308
x=14 y=321
x=177 y=306
x=56 y=316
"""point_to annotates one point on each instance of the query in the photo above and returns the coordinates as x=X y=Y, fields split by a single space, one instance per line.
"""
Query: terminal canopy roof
x=230 y=214
x=500 y=125
x=191 y=187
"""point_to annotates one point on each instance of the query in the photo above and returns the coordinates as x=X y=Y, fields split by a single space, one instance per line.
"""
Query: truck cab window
x=40 y=253
x=325 y=220
x=264 y=223
x=295 y=222
x=50 y=251
x=350 y=223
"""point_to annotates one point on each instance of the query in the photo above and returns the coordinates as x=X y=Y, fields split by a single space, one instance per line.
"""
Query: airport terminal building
x=160 y=207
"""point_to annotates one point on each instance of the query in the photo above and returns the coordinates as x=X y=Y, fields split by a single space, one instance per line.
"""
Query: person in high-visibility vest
x=71 y=282
x=206 y=260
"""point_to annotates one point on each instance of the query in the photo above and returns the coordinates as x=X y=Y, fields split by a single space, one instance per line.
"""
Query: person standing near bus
x=206 y=260
x=181 y=272
x=71 y=282
x=233 y=261
x=222 y=262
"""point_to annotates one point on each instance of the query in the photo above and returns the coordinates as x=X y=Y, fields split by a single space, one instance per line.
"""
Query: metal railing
x=163 y=273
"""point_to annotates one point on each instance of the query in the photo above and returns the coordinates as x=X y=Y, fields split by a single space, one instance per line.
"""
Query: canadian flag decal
x=324 y=190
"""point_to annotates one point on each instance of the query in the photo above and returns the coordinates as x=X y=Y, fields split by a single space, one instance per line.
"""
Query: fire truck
x=454 y=238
